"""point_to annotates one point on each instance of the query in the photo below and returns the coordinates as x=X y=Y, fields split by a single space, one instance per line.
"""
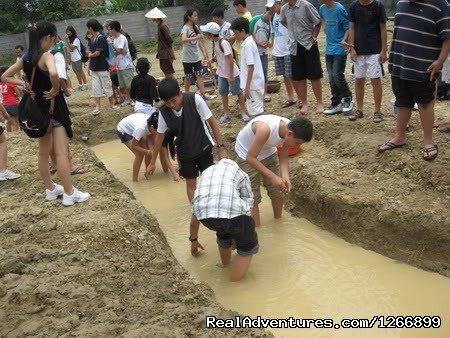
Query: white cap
x=211 y=27
x=270 y=3
x=155 y=13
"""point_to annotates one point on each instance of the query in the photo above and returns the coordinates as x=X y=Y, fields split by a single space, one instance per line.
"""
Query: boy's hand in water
x=195 y=248
x=150 y=170
x=287 y=181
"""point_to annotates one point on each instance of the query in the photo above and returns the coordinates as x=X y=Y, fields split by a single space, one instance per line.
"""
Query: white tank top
x=246 y=136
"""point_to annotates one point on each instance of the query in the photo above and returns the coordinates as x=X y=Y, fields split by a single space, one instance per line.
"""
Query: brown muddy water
x=300 y=271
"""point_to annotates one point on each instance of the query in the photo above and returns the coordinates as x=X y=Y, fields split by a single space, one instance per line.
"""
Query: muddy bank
x=102 y=268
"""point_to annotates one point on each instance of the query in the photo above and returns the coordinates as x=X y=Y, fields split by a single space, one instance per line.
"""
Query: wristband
x=192 y=239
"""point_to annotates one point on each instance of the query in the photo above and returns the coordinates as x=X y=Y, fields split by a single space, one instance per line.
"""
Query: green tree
x=205 y=7
x=55 y=10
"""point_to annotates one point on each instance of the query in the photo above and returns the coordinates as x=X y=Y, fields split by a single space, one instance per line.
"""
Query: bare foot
x=319 y=108
x=304 y=109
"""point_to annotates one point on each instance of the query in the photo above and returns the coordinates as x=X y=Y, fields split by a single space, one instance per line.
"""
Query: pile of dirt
x=101 y=268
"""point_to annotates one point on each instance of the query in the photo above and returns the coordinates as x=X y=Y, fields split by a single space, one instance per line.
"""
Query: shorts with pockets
x=255 y=105
x=283 y=66
x=101 y=83
x=241 y=229
x=191 y=70
x=306 y=64
x=125 y=76
x=189 y=169
x=368 y=65
x=225 y=87
x=255 y=176
x=408 y=92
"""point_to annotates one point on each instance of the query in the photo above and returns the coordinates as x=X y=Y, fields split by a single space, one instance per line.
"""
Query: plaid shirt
x=224 y=191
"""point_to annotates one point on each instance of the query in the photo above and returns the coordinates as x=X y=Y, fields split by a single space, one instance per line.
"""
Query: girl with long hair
x=47 y=93
x=74 y=45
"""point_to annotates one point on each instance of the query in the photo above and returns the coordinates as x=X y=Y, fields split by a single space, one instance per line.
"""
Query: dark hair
x=168 y=88
x=219 y=12
x=114 y=25
x=73 y=32
x=19 y=47
x=3 y=69
x=94 y=24
x=240 y=24
x=302 y=128
x=143 y=66
x=36 y=33
x=240 y=2
x=189 y=13
x=152 y=121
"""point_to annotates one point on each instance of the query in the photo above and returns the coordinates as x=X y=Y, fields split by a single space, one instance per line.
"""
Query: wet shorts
x=125 y=138
x=255 y=178
x=241 y=229
x=190 y=169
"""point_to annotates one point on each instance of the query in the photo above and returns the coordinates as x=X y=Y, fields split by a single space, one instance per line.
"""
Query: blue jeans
x=265 y=64
x=339 y=86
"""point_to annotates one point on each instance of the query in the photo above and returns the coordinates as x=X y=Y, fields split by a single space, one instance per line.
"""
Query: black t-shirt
x=99 y=63
x=143 y=89
x=367 y=20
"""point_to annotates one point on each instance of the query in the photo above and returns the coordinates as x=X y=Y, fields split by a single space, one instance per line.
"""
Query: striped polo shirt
x=420 y=27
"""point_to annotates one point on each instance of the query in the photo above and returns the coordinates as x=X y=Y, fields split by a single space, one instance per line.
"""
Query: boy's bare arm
x=134 y=144
x=251 y=69
x=383 y=53
x=284 y=166
x=156 y=148
x=222 y=153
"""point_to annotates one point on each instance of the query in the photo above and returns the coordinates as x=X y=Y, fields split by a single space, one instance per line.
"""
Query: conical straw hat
x=155 y=13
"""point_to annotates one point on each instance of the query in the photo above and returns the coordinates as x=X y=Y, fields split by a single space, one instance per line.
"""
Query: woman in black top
x=45 y=89
x=143 y=88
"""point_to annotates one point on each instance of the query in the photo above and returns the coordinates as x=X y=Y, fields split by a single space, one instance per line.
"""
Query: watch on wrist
x=192 y=239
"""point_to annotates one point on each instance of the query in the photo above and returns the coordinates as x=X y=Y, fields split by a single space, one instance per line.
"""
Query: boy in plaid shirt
x=222 y=203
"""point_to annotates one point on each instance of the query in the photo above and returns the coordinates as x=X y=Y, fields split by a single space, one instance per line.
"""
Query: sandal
x=389 y=146
x=52 y=170
x=356 y=115
x=79 y=171
x=288 y=103
x=377 y=117
x=96 y=112
x=426 y=156
x=267 y=98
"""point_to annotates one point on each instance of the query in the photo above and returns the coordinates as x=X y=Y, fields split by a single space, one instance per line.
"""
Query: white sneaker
x=8 y=175
x=347 y=106
x=85 y=86
x=333 y=109
x=207 y=96
x=51 y=195
x=76 y=197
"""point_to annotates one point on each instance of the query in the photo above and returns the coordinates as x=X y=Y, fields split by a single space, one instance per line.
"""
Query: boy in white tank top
x=256 y=147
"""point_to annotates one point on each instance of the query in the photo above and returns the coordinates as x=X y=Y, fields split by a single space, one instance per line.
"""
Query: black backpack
x=84 y=57
x=33 y=121
x=131 y=47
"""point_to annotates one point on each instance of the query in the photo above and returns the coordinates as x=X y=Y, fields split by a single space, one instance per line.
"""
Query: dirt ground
x=104 y=268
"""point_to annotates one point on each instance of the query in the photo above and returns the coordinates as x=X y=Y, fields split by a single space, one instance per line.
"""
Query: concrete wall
x=137 y=25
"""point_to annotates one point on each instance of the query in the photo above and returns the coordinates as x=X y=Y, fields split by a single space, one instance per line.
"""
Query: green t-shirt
x=59 y=47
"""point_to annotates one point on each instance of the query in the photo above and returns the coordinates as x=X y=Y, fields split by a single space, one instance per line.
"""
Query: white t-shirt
x=223 y=68
x=134 y=125
x=202 y=109
x=75 y=55
x=246 y=137
x=250 y=56
x=281 y=42
x=60 y=66
x=123 y=61
x=225 y=31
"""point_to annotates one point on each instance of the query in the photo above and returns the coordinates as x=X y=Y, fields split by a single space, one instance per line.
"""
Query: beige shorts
x=368 y=65
x=125 y=77
x=255 y=178
x=101 y=84
x=255 y=105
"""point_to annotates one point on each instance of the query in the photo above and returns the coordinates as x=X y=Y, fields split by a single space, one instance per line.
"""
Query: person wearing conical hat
x=165 y=52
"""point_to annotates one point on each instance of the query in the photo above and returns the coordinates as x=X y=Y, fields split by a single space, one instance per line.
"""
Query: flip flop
x=389 y=146
x=267 y=98
x=287 y=103
x=96 y=112
x=426 y=156
x=79 y=171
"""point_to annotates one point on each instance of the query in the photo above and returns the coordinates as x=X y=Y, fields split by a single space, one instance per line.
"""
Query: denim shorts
x=125 y=138
x=55 y=124
x=13 y=110
x=225 y=88
x=241 y=229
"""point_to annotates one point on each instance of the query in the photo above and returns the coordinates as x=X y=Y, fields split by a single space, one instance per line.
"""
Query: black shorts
x=306 y=64
x=191 y=70
x=166 y=66
x=409 y=92
x=241 y=229
x=114 y=78
x=125 y=138
x=190 y=169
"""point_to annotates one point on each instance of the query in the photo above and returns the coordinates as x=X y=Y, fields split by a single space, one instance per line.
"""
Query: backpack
x=131 y=47
x=33 y=121
x=222 y=50
x=84 y=57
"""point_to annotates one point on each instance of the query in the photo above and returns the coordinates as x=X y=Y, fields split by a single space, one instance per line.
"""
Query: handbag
x=32 y=120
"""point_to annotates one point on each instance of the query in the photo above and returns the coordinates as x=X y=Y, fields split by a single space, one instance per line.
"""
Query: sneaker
x=51 y=195
x=76 y=197
x=80 y=87
x=333 y=109
x=224 y=119
x=245 y=118
x=347 y=107
x=8 y=175
x=356 y=115
x=207 y=96
x=85 y=86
